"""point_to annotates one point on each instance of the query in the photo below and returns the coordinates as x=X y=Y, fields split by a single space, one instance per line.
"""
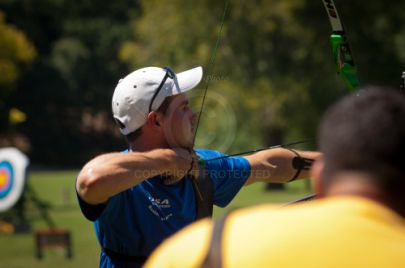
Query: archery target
x=6 y=178
x=13 y=166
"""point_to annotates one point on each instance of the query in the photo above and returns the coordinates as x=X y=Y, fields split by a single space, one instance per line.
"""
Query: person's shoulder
x=282 y=213
x=172 y=251
x=306 y=213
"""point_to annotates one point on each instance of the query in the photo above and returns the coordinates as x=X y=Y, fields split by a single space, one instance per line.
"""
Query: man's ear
x=154 y=119
x=316 y=177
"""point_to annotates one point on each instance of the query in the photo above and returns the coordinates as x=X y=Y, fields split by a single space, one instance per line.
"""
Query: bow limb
x=342 y=55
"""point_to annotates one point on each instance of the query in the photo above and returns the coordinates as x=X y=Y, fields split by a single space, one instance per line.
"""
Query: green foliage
x=66 y=95
x=16 y=54
x=262 y=41
x=272 y=78
x=275 y=55
x=15 y=51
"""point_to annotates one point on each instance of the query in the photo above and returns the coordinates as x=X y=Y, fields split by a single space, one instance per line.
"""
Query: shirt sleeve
x=93 y=212
x=228 y=176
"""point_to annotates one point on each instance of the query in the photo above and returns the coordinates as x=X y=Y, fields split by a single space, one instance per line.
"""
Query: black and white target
x=13 y=165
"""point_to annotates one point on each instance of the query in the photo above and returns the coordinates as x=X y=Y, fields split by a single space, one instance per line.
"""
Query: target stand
x=15 y=194
x=53 y=238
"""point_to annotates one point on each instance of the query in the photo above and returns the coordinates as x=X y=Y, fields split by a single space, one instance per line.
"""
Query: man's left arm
x=280 y=165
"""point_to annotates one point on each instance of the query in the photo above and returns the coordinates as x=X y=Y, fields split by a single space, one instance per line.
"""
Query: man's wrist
x=177 y=160
x=171 y=159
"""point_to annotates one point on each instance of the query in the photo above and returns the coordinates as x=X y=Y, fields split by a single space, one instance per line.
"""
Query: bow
x=343 y=59
x=207 y=81
x=210 y=68
x=342 y=55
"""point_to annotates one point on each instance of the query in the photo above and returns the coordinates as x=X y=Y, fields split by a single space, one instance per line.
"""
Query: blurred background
x=269 y=82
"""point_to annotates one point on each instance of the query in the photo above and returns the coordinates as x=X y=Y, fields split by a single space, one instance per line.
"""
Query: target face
x=6 y=178
x=13 y=166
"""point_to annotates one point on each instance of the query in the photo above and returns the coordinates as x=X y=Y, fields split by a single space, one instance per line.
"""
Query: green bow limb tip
x=345 y=66
x=349 y=74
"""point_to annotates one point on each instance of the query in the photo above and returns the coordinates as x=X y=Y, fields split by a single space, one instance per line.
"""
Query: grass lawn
x=57 y=189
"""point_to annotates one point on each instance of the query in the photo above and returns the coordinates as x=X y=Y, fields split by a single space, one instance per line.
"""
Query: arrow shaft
x=259 y=150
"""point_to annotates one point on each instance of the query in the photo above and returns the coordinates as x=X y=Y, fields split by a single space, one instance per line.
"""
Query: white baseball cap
x=144 y=90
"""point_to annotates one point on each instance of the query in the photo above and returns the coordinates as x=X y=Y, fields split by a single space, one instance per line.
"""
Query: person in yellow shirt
x=358 y=219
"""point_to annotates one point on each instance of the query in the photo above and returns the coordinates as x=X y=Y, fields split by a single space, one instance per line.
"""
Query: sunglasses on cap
x=169 y=74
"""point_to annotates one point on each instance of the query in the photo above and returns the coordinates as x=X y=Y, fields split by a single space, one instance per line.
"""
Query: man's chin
x=189 y=144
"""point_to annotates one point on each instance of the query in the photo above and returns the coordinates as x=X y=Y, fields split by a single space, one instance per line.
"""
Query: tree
x=16 y=54
x=275 y=55
x=66 y=95
x=272 y=78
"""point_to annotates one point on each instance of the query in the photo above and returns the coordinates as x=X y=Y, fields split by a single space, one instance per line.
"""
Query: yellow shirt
x=333 y=232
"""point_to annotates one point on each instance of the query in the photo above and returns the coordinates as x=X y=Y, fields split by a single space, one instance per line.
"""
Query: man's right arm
x=110 y=174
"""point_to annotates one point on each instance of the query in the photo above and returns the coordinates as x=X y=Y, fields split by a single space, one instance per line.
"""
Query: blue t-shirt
x=134 y=222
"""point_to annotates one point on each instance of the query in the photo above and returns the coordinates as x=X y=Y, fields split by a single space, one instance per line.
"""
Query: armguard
x=299 y=163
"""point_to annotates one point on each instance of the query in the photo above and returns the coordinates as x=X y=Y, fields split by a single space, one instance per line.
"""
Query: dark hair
x=162 y=109
x=366 y=132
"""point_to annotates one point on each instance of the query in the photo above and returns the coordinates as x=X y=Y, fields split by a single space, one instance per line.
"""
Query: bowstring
x=211 y=66
x=207 y=81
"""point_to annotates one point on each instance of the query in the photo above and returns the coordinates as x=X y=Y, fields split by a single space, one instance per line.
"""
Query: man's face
x=179 y=122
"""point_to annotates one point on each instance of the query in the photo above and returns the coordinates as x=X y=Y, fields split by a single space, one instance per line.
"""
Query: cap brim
x=187 y=80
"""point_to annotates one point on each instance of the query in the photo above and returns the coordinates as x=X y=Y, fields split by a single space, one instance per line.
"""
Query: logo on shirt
x=156 y=213
x=161 y=203
x=157 y=205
